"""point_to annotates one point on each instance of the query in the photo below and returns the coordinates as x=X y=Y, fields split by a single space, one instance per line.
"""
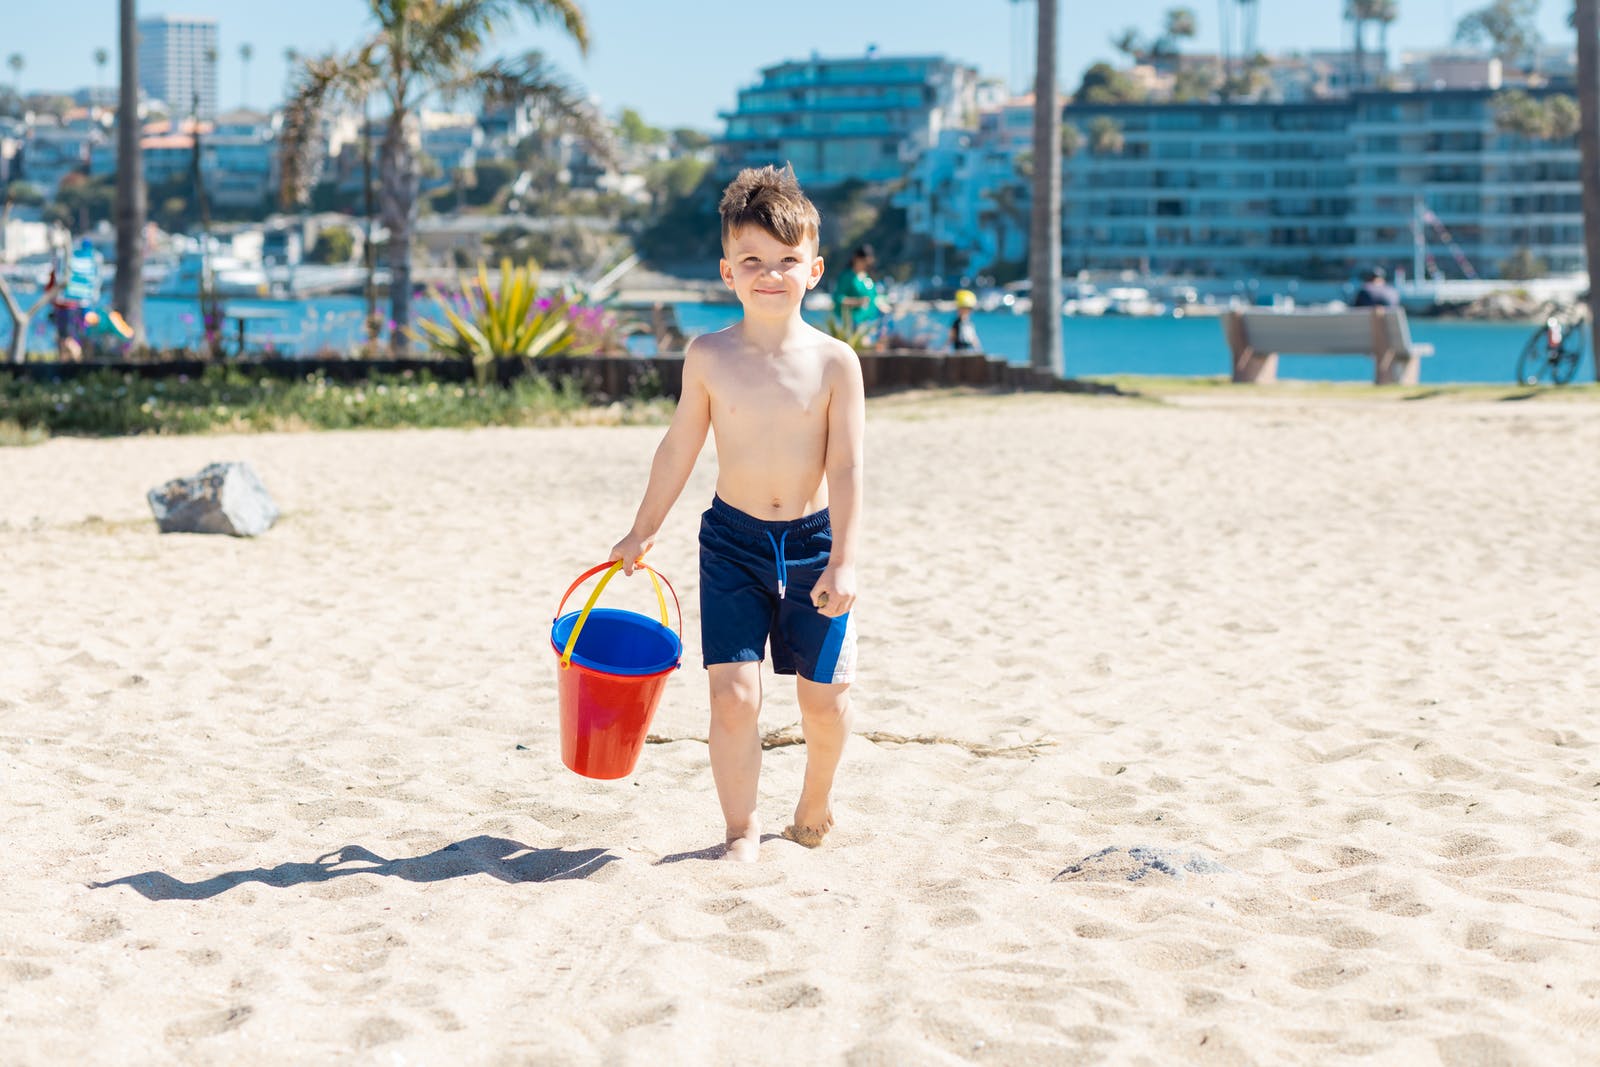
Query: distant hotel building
x=868 y=117
x=1201 y=188
x=1497 y=193
x=1317 y=189
x=178 y=62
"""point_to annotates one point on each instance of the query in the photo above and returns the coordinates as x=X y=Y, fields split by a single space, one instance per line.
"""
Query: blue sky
x=681 y=61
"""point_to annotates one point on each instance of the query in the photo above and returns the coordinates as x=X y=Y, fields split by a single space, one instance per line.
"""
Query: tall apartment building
x=868 y=117
x=178 y=63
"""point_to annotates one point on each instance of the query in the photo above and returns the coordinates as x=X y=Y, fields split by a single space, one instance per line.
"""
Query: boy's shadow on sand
x=498 y=857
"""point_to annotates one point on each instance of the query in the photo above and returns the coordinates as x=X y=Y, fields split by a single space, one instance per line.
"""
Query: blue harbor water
x=1186 y=347
x=1195 y=347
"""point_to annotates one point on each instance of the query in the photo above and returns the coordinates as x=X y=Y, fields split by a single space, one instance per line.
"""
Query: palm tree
x=1006 y=211
x=16 y=63
x=1071 y=143
x=1237 y=19
x=101 y=58
x=1130 y=44
x=1385 y=13
x=1509 y=26
x=1044 y=233
x=247 y=52
x=1179 y=25
x=128 y=290
x=1361 y=12
x=416 y=51
x=1105 y=137
x=1587 y=20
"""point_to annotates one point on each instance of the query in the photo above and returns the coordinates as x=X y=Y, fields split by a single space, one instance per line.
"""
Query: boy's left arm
x=835 y=591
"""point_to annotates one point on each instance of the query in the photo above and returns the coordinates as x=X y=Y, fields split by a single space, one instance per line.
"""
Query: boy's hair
x=771 y=199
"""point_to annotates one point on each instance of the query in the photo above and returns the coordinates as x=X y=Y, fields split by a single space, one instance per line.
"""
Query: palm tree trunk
x=1361 y=51
x=1044 y=234
x=1588 y=27
x=128 y=292
x=398 y=181
x=369 y=255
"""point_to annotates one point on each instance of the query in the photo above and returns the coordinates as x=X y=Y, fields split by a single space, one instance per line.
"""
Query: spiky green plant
x=485 y=324
x=843 y=328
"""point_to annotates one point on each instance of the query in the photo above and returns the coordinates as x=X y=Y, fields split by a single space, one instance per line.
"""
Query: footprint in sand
x=1157 y=865
x=24 y=970
x=208 y=1024
x=379 y=1030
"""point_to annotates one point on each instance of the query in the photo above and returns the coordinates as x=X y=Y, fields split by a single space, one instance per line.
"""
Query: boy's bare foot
x=745 y=847
x=810 y=824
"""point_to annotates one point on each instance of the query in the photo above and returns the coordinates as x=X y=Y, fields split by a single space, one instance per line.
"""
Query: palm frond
x=530 y=79
x=459 y=25
x=469 y=22
x=322 y=82
x=566 y=11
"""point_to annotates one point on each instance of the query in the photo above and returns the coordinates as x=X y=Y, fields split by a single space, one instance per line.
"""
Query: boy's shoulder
x=713 y=343
x=729 y=341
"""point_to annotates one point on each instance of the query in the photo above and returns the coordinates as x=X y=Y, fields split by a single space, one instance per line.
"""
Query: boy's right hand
x=630 y=550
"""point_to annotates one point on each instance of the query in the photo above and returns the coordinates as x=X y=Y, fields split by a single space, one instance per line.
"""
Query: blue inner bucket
x=619 y=642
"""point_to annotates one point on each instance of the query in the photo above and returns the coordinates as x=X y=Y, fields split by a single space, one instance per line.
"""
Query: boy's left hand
x=835 y=591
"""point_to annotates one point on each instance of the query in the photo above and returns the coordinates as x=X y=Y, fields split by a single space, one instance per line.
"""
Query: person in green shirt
x=855 y=297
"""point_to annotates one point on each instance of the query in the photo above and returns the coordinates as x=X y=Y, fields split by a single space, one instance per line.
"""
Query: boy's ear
x=816 y=273
x=725 y=269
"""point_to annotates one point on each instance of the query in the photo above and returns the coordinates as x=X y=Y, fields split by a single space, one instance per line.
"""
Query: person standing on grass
x=778 y=545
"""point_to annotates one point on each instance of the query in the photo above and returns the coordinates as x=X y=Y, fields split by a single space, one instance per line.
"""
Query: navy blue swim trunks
x=755 y=586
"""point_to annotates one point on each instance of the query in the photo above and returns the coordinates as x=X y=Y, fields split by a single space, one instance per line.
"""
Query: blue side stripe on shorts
x=828 y=657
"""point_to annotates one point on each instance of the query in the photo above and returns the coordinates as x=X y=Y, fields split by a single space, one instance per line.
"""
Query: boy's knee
x=734 y=696
x=826 y=706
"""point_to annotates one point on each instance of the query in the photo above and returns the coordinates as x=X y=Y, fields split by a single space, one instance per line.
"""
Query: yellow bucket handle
x=611 y=570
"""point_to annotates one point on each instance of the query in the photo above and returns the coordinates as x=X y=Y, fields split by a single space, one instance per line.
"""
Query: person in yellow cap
x=963 y=334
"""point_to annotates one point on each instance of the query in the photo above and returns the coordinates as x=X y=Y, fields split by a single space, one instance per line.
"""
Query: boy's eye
x=791 y=259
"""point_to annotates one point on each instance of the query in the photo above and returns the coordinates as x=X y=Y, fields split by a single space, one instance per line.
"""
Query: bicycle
x=1556 y=348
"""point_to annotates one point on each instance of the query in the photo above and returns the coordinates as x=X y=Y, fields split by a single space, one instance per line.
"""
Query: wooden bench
x=1257 y=337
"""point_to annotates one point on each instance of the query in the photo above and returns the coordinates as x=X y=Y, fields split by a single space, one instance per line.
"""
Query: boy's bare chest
x=786 y=393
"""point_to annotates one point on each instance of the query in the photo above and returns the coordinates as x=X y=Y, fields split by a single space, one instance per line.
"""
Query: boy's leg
x=736 y=753
x=825 y=721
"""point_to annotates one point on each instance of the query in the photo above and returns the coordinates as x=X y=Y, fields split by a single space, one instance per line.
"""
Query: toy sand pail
x=612 y=668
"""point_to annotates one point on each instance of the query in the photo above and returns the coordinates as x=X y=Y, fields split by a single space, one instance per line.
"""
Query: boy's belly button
x=777 y=505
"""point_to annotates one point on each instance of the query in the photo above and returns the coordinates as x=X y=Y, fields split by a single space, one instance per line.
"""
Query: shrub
x=233 y=399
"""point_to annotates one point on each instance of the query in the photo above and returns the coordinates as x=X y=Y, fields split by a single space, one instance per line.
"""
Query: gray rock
x=225 y=498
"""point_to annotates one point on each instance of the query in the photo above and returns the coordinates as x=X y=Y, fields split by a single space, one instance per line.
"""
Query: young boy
x=778 y=544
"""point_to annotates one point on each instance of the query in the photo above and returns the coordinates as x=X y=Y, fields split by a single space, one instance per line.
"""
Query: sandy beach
x=1239 y=729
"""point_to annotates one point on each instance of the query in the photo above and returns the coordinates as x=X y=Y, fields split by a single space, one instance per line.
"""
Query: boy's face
x=769 y=277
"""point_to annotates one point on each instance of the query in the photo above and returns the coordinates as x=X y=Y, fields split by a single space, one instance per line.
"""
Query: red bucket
x=613 y=667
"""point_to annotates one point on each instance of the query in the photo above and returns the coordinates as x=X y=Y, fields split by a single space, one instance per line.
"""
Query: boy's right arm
x=674 y=460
